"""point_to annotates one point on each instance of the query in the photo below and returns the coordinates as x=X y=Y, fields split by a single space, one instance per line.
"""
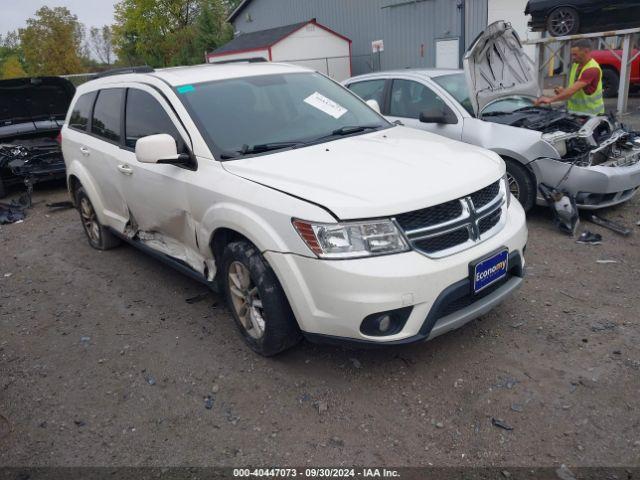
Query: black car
x=568 y=17
x=32 y=111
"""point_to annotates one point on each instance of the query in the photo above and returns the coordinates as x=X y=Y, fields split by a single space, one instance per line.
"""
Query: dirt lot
x=103 y=361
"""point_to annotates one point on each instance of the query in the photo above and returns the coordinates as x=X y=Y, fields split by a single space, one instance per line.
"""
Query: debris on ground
x=197 y=298
x=563 y=207
x=605 y=262
x=496 y=422
x=589 y=238
x=602 y=326
x=11 y=213
x=613 y=226
x=322 y=406
x=563 y=473
x=150 y=379
x=60 y=205
x=356 y=363
x=516 y=407
x=208 y=402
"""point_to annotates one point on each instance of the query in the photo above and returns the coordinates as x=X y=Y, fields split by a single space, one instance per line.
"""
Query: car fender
x=521 y=144
x=78 y=170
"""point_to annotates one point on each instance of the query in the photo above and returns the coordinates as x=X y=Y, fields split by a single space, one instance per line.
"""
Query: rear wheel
x=99 y=236
x=610 y=83
x=563 y=21
x=257 y=301
x=521 y=184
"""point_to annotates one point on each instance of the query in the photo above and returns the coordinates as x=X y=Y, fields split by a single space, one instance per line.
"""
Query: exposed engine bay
x=35 y=158
x=579 y=139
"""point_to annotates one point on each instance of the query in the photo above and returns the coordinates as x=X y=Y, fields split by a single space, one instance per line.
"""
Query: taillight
x=59 y=138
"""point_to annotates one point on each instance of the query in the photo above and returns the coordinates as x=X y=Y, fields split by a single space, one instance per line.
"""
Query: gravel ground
x=103 y=361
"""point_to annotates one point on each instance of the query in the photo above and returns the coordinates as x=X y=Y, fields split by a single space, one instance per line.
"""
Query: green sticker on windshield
x=186 y=89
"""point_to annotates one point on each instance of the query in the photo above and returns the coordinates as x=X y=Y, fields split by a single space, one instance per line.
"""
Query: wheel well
x=223 y=237
x=74 y=184
x=527 y=168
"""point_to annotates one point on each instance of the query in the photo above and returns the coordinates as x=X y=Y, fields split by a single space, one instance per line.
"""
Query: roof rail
x=242 y=60
x=120 y=71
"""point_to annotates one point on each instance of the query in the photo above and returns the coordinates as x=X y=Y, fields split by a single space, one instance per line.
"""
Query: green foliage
x=164 y=33
x=12 y=68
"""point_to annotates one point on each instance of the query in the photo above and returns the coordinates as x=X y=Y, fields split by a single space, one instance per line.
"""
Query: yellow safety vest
x=580 y=102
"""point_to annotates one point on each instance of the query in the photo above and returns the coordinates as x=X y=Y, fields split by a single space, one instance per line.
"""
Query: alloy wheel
x=562 y=22
x=514 y=188
x=89 y=220
x=246 y=300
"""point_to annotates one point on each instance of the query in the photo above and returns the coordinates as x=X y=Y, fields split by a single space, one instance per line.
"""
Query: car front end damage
x=598 y=160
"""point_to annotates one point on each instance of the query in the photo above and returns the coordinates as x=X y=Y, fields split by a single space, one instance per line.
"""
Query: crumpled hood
x=496 y=66
x=378 y=174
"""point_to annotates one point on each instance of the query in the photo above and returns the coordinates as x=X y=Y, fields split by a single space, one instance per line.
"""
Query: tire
x=610 y=83
x=521 y=184
x=269 y=325
x=563 y=21
x=99 y=236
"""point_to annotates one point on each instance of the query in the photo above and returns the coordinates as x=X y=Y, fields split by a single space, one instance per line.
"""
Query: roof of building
x=238 y=9
x=263 y=39
x=260 y=39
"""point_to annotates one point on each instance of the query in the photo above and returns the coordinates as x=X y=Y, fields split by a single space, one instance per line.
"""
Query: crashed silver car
x=490 y=104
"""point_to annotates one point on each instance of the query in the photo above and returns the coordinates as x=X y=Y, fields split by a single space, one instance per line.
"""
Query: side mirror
x=159 y=148
x=374 y=104
x=436 y=115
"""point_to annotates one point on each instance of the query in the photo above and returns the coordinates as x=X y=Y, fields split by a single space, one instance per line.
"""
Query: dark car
x=568 y=17
x=32 y=112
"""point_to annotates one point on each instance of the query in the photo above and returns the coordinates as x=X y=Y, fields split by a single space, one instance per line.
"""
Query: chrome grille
x=453 y=226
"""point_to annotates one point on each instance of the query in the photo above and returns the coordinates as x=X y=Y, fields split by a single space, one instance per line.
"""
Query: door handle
x=125 y=169
x=85 y=151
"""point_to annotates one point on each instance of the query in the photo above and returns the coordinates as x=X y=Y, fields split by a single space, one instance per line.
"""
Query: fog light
x=385 y=323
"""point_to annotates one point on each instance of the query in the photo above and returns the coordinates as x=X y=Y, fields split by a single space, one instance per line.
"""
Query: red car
x=611 y=65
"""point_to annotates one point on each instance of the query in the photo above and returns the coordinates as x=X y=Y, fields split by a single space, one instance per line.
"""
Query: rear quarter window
x=81 y=112
x=106 y=114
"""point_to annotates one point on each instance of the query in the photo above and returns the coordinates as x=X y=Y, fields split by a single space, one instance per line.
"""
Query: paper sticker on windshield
x=325 y=105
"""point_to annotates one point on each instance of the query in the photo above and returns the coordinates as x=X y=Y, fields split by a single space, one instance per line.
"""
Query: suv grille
x=453 y=226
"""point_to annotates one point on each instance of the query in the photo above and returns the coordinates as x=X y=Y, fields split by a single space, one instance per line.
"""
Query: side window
x=106 y=114
x=370 y=90
x=409 y=99
x=145 y=116
x=79 y=118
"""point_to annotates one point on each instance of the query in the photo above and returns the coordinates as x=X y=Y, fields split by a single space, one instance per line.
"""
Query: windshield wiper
x=267 y=147
x=347 y=130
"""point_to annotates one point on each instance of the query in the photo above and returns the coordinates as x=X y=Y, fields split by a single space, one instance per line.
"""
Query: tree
x=101 y=43
x=12 y=68
x=168 y=32
x=52 y=42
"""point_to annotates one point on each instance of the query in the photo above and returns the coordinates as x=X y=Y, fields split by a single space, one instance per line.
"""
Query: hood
x=496 y=66
x=378 y=174
x=38 y=102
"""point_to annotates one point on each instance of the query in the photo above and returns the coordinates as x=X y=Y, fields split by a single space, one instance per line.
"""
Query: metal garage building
x=414 y=33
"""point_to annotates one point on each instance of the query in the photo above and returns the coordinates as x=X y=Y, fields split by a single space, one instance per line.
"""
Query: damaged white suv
x=311 y=213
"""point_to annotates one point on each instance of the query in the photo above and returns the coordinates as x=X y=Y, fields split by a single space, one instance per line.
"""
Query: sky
x=92 y=13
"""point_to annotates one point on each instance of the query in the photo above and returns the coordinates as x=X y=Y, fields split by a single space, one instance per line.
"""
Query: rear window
x=81 y=110
x=106 y=114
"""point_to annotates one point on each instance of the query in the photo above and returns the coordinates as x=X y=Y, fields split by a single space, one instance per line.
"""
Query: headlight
x=505 y=180
x=351 y=240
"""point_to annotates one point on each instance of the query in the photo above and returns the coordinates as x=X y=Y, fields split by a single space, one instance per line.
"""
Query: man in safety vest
x=584 y=93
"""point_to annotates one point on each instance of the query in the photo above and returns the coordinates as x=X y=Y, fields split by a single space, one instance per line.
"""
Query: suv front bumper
x=331 y=298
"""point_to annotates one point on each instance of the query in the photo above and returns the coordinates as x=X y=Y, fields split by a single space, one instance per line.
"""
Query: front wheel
x=610 y=83
x=257 y=301
x=563 y=21
x=521 y=184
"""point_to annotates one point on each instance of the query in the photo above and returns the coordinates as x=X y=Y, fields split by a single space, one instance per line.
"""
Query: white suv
x=313 y=214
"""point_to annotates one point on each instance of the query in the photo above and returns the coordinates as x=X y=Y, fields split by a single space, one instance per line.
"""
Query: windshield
x=254 y=115
x=456 y=85
x=507 y=105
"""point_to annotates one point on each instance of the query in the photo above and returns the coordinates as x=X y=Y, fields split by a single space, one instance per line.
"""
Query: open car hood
x=496 y=66
x=33 y=104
